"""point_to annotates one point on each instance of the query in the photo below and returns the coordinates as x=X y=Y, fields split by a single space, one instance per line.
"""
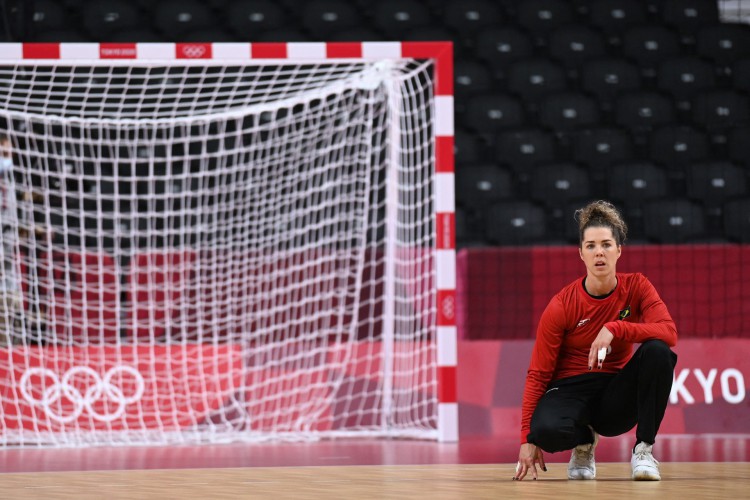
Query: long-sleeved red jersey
x=633 y=312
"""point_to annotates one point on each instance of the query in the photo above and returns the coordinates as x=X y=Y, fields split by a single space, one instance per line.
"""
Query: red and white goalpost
x=247 y=242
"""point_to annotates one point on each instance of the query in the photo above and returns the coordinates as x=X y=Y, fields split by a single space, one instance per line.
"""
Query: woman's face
x=599 y=251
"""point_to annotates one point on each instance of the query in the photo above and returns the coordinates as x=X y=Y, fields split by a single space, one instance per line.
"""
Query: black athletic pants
x=610 y=403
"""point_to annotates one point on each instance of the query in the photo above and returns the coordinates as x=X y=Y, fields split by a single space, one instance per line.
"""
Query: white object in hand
x=602 y=353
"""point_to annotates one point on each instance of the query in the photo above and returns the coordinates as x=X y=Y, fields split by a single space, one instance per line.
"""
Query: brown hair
x=601 y=214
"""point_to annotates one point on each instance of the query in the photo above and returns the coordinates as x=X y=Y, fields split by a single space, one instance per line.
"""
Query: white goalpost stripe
x=228 y=50
x=11 y=51
x=156 y=51
x=445 y=192
x=306 y=50
x=448 y=422
x=75 y=51
x=381 y=50
x=446 y=269
x=444 y=115
x=447 y=345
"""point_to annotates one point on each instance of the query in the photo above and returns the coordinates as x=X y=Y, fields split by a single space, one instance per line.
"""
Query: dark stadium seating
x=648 y=99
x=482 y=185
x=523 y=149
x=676 y=146
x=515 y=223
x=501 y=45
x=684 y=76
x=613 y=17
x=608 y=77
x=673 y=221
x=568 y=111
x=396 y=18
x=532 y=78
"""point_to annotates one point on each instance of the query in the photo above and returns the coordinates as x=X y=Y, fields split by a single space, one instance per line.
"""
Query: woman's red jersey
x=633 y=312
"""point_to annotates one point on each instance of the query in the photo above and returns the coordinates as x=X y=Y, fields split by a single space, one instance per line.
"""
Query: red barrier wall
x=501 y=292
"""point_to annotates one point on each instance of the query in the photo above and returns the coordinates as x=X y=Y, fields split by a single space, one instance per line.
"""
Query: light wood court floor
x=679 y=480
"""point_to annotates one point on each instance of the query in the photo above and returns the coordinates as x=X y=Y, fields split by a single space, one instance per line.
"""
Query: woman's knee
x=658 y=351
x=552 y=434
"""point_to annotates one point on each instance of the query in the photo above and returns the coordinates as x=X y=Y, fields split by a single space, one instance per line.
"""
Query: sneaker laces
x=583 y=455
x=644 y=453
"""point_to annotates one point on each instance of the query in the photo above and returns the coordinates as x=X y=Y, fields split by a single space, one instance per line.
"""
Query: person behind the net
x=11 y=229
x=584 y=380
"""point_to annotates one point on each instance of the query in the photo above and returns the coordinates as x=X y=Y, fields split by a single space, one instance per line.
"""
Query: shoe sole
x=645 y=476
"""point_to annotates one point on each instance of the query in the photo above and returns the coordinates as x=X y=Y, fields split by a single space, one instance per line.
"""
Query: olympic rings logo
x=53 y=395
x=193 y=51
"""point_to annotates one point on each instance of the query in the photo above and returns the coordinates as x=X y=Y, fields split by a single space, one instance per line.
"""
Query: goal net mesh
x=217 y=253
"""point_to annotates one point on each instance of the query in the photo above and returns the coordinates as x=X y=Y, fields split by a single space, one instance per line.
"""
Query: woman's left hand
x=602 y=341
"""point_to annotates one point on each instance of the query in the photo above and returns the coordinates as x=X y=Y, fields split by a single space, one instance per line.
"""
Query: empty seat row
x=555 y=184
x=566 y=111
x=682 y=77
x=674 y=220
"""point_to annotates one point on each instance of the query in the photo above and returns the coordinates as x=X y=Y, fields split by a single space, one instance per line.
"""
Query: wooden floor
x=679 y=480
x=698 y=466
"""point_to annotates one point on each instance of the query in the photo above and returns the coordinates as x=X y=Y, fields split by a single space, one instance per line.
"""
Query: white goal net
x=213 y=251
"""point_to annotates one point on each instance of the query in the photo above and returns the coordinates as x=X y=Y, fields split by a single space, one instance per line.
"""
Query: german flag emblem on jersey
x=625 y=313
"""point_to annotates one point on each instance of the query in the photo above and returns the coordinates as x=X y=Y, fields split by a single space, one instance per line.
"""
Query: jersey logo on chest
x=625 y=313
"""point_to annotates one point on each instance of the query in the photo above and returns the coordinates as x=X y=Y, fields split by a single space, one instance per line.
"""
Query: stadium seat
x=515 y=223
x=649 y=45
x=568 y=111
x=741 y=75
x=739 y=145
x=64 y=36
x=467 y=148
x=471 y=77
x=325 y=17
x=478 y=186
x=500 y=46
x=175 y=17
x=542 y=16
x=141 y=34
x=100 y=18
x=48 y=15
x=247 y=18
x=613 y=17
x=396 y=18
x=600 y=148
x=523 y=149
x=718 y=110
x=673 y=221
x=737 y=220
x=724 y=43
x=714 y=183
x=641 y=111
x=532 y=78
x=635 y=183
x=687 y=16
x=557 y=184
x=685 y=76
x=431 y=33
x=469 y=228
x=573 y=44
x=209 y=35
x=468 y=17
x=492 y=112
x=285 y=35
x=607 y=77
x=676 y=146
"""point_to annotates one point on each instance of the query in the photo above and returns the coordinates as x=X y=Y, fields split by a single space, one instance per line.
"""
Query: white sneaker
x=582 y=464
x=645 y=466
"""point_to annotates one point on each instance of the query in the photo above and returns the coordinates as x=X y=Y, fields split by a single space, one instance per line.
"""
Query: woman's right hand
x=528 y=457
